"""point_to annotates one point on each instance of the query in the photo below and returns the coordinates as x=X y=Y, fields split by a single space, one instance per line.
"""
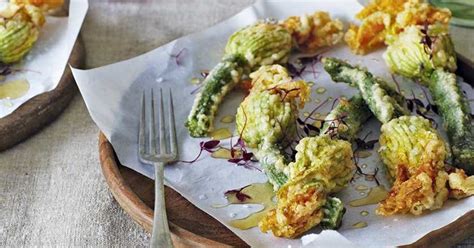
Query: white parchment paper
x=112 y=94
x=44 y=65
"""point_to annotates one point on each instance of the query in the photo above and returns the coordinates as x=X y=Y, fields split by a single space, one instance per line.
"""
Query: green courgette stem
x=346 y=119
x=223 y=78
x=333 y=211
x=384 y=102
x=455 y=111
x=273 y=162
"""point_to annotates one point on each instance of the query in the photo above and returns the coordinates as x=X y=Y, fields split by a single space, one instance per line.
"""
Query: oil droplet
x=361 y=187
x=195 y=81
x=375 y=195
x=317 y=124
x=320 y=90
x=362 y=193
x=344 y=98
x=311 y=84
x=220 y=134
x=223 y=153
x=232 y=215
x=14 y=89
x=364 y=213
x=360 y=224
x=363 y=154
x=306 y=114
x=421 y=96
x=317 y=115
x=219 y=205
x=8 y=103
x=363 y=166
x=259 y=193
x=228 y=119
x=403 y=92
x=317 y=100
x=330 y=98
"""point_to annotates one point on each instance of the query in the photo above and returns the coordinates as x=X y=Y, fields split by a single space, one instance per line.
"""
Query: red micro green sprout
x=238 y=194
x=178 y=57
x=208 y=146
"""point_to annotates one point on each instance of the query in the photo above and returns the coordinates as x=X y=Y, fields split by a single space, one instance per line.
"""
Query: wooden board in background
x=42 y=109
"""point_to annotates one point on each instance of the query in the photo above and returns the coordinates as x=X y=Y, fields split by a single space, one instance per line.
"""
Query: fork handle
x=160 y=236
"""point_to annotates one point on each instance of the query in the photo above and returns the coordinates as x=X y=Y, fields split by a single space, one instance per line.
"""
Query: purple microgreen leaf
x=210 y=144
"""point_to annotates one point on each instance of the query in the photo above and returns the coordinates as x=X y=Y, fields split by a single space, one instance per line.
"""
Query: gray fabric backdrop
x=52 y=192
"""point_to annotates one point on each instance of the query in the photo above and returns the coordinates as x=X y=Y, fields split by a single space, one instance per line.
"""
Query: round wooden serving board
x=191 y=226
x=42 y=109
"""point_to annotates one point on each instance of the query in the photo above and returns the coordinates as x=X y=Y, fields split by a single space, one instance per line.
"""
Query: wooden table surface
x=52 y=192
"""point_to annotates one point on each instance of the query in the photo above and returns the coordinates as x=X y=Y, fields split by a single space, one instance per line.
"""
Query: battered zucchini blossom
x=426 y=54
x=267 y=117
x=322 y=166
x=19 y=29
x=419 y=50
x=411 y=148
x=247 y=49
x=381 y=20
x=311 y=32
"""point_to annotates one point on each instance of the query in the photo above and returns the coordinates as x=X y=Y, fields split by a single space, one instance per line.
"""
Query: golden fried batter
x=414 y=154
x=43 y=4
x=322 y=166
x=383 y=18
x=312 y=32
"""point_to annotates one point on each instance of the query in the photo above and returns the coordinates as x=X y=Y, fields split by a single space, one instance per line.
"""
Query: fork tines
x=149 y=149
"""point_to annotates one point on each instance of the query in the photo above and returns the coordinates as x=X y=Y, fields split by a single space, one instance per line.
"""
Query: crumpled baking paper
x=112 y=94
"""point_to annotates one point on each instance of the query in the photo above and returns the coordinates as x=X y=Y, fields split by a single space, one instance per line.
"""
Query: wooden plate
x=42 y=109
x=191 y=226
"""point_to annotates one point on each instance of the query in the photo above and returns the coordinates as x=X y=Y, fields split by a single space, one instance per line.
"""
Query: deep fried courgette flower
x=382 y=19
x=412 y=150
x=419 y=50
x=426 y=54
x=322 y=166
x=19 y=29
x=414 y=154
x=246 y=50
x=269 y=112
x=311 y=32
x=267 y=117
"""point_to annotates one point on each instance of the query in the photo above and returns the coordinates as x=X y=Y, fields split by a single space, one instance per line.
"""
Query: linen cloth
x=52 y=192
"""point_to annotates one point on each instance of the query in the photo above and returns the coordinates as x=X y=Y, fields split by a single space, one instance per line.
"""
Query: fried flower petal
x=311 y=32
x=369 y=35
x=382 y=19
x=414 y=193
x=323 y=166
x=460 y=185
x=43 y=4
x=414 y=154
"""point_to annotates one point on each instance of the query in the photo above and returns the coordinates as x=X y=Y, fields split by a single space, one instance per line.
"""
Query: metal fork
x=149 y=154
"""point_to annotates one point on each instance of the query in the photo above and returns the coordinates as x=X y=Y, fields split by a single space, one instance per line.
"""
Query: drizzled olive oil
x=222 y=153
x=376 y=195
x=220 y=134
x=257 y=193
x=227 y=119
x=14 y=89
